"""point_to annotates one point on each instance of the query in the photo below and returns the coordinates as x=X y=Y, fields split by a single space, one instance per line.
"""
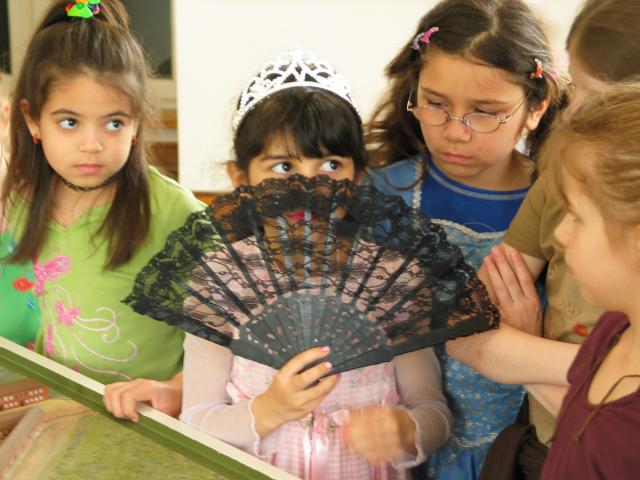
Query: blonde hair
x=606 y=126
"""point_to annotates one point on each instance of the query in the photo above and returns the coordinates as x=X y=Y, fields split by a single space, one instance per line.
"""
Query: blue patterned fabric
x=475 y=220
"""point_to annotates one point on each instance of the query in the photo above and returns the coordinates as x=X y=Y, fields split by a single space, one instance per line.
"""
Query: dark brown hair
x=317 y=122
x=500 y=33
x=105 y=50
x=606 y=39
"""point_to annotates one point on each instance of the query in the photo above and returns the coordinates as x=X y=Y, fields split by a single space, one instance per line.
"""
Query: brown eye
x=282 y=167
x=331 y=165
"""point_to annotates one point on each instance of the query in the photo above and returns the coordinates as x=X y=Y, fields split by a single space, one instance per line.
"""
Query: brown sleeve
x=524 y=232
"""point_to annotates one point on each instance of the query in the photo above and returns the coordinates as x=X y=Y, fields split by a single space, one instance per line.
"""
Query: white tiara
x=294 y=68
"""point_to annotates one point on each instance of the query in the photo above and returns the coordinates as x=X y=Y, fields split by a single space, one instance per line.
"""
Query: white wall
x=24 y=15
x=221 y=44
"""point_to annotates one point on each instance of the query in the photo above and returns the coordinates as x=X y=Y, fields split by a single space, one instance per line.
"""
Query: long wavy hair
x=504 y=34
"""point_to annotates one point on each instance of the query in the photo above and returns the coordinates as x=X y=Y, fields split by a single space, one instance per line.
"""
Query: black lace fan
x=273 y=270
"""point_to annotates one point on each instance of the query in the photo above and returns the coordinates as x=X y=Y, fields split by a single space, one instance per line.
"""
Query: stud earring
x=134 y=140
x=35 y=139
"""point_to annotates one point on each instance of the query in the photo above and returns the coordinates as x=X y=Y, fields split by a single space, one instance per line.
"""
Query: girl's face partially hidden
x=86 y=129
x=276 y=162
x=607 y=271
x=459 y=87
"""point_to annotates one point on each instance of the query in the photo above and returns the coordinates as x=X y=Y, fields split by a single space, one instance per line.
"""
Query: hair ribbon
x=537 y=73
x=83 y=8
x=423 y=38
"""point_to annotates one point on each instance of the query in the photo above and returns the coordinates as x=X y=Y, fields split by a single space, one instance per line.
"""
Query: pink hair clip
x=423 y=38
x=537 y=73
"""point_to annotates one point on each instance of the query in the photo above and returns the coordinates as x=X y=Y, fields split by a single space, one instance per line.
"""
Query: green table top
x=94 y=445
x=77 y=443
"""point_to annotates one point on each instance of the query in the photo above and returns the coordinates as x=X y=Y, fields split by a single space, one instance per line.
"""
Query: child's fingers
x=375 y=434
x=300 y=361
x=524 y=275
x=121 y=398
x=107 y=399
x=508 y=275
x=315 y=394
x=311 y=376
x=111 y=398
x=128 y=404
x=499 y=288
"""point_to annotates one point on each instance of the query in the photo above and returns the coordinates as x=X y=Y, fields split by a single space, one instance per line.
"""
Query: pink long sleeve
x=205 y=402
x=420 y=389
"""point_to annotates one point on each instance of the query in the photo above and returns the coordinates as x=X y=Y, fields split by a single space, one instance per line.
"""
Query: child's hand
x=381 y=434
x=290 y=396
x=515 y=293
x=120 y=398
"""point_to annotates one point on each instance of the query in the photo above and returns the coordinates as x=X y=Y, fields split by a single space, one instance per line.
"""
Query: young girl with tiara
x=471 y=82
x=600 y=54
x=595 y=156
x=85 y=206
x=297 y=116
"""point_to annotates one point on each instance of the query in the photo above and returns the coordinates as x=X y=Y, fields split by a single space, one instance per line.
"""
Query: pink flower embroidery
x=66 y=316
x=51 y=270
x=48 y=341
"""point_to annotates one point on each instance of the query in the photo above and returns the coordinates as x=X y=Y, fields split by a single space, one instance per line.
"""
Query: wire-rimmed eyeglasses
x=434 y=116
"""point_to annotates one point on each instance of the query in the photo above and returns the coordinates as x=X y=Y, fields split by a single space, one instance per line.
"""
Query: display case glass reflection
x=70 y=435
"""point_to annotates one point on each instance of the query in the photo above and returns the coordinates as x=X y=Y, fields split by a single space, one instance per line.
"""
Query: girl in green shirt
x=84 y=204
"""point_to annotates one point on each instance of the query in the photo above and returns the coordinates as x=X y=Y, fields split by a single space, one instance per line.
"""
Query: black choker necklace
x=78 y=188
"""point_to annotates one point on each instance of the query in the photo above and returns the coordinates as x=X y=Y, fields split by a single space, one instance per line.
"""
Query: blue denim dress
x=475 y=220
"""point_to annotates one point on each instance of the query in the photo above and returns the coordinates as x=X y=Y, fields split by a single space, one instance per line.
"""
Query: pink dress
x=220 y=387
x=313 y=447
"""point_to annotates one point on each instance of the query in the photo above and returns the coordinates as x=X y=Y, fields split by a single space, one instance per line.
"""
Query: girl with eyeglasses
x=470 y=91
x=602 y=46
